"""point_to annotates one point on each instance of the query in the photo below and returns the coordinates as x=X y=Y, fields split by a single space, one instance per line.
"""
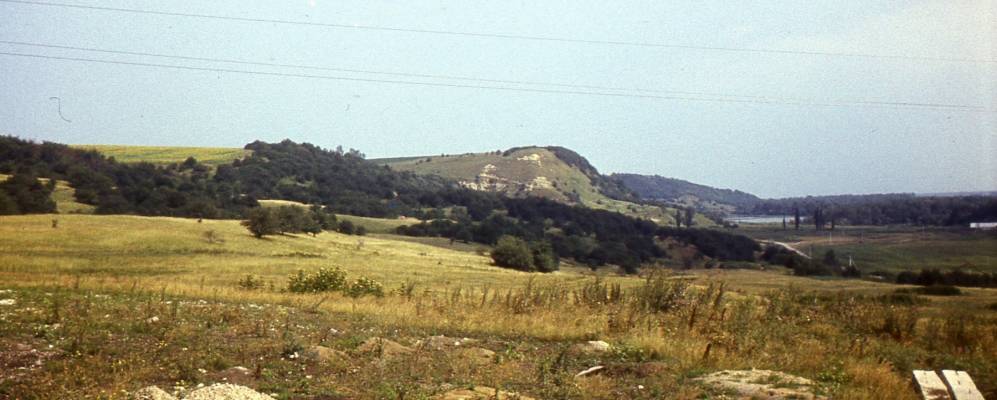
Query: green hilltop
x=551 y=172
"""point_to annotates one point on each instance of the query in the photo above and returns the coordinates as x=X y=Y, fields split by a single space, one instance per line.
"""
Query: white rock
x=225 y=391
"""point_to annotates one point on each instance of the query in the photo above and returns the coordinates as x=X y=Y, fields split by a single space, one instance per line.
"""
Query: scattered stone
x=441 y=342
x=151 y=393
x=383 y=347
x=236 y=375
x=761 y=384
x=322 y=354
x=592 y=347
x=8 y=302
x=152 y=320
x=481 y=393
x=476 y=355
x=590 y=371
x=225 y=391
x=20 y=359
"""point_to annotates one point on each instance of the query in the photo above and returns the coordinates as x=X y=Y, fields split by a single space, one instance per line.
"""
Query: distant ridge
x=685 y=193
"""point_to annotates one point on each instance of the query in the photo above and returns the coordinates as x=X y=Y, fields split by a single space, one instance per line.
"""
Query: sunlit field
x=162 y=155
x=126 y=302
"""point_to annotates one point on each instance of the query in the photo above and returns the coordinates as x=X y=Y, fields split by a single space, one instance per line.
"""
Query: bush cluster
x=516 y=253
x=324 y=280
x=364 y=286
x=333 y=280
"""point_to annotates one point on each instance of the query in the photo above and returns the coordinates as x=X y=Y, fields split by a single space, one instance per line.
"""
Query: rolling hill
x=685 y=193
x=551 y=172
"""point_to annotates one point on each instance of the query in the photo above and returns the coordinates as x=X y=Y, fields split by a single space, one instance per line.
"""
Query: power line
x=418 y=75
x=507 y=36
x=504 y=88
x=366 y=71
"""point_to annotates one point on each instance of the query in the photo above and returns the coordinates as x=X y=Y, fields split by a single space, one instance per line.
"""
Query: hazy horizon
x=856 y=132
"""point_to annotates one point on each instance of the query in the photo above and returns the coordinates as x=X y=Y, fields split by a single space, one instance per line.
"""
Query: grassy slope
x=894 y=248
x=162 y=155
x=164 y=266
x=566 y=179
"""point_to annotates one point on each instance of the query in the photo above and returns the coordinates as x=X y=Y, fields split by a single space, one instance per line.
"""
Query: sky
x=725 y=118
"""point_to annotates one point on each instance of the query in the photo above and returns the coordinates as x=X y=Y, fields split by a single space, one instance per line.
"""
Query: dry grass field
x=109 y=304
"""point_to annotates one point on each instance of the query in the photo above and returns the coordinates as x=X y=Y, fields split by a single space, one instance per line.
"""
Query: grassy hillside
x=114 y=303
x=162 y=155
x=528 y=171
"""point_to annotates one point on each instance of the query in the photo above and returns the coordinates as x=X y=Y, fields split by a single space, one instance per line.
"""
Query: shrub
x=324 y=280
x=251 y=282
x=346 y=227
x=365 y=286
x=513 y=252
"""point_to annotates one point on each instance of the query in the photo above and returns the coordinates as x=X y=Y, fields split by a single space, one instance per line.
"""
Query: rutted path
x=786 y=246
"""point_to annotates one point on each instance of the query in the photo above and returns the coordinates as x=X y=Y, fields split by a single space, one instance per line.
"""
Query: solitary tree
x=690 y=213
x=796 y=217
x=261 y=222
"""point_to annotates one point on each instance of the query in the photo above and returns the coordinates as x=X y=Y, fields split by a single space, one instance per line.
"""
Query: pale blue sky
x=771 y=150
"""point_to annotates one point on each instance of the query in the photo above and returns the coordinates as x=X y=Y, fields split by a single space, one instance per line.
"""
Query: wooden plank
x=961 y=385
x=931 y=386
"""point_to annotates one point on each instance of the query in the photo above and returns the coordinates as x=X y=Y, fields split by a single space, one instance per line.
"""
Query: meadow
x=113 y=303
x=892 y=248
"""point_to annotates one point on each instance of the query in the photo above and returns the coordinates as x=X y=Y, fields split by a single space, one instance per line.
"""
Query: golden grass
x=162 y=155
x=839 y=336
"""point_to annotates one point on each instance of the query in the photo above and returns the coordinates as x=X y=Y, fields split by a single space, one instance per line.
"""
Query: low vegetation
x=163 y=306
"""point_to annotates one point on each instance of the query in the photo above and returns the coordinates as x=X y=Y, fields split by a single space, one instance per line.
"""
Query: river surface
x=758 y=219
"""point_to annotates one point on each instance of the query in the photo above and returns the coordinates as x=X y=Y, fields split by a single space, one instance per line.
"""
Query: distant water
x=757 y=219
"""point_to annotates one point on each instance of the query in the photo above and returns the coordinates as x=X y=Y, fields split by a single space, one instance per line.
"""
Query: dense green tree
x=347 y=227
x=261 y=222
x=513 y=252
x=544 y=257
x=7 y=205
x=29 y=194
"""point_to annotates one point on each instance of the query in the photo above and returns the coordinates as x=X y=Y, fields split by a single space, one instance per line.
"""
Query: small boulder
x=322 y=354
x=592 y=347
x=441 y=342
x=384 y=347
x=476 y=355
x=761 y=384
x=225 y=391
x=481 y=393
x=236 y=375
x=151 y=393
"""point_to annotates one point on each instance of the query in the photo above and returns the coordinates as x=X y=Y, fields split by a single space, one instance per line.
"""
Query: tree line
x=883 y=209
x=344 y=182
